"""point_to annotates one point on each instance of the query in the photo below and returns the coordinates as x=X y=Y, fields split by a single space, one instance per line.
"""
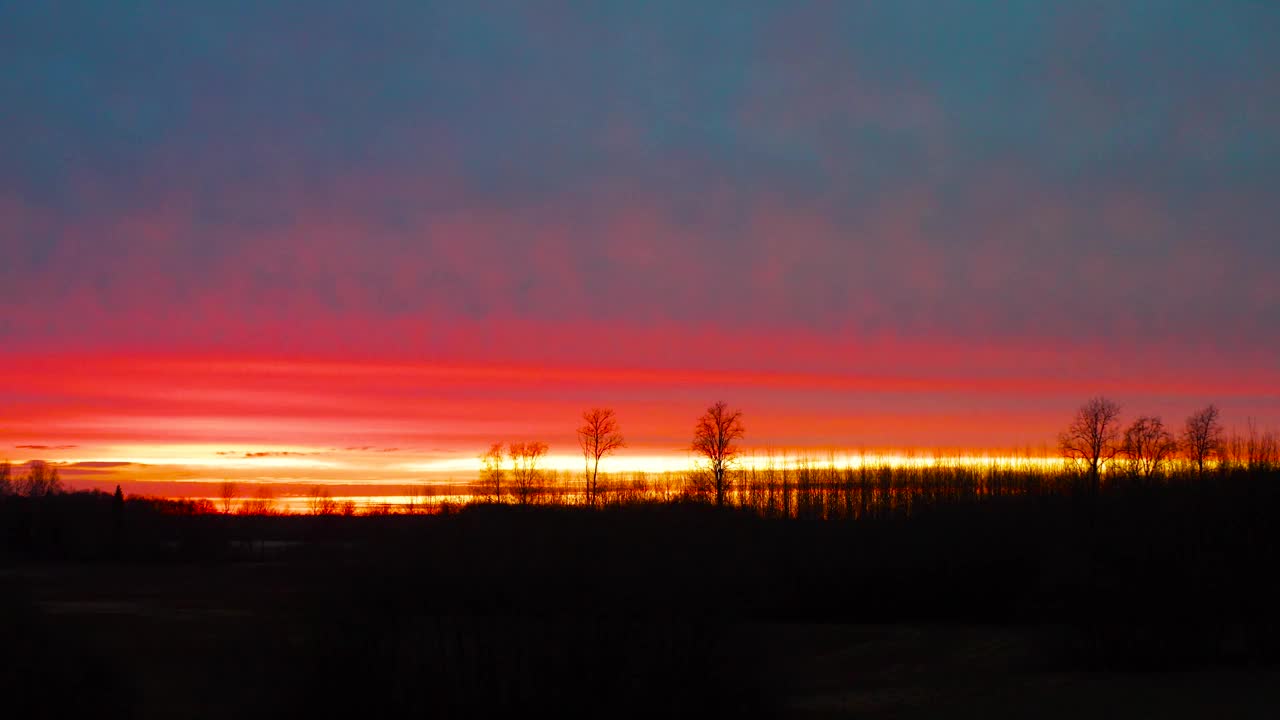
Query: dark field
x=1152 y=601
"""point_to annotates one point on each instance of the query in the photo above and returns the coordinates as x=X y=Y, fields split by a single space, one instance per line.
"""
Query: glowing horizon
x=154 y=422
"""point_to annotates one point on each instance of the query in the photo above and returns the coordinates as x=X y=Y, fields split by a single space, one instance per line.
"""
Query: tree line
x=1098 y=442
x=1095 y=446
x=514 y=468
x=40 y=480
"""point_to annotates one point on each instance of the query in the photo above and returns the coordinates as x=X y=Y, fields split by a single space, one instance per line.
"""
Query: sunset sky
x=359 y=242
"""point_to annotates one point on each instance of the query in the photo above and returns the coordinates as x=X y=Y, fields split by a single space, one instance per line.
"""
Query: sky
x=358 y=242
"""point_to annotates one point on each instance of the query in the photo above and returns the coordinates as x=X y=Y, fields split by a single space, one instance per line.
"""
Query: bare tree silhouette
x=6 y=478
x=1147 y=447
x=227 y=492
x=525 y=475
x=598 y=437
x=1202 y=437
x=262 y=503
x=1255 y=451
x=1093 y=437
x=40 y=480
x=713 y=438
x=319 y=501
x=416 y=494
x=491 y=470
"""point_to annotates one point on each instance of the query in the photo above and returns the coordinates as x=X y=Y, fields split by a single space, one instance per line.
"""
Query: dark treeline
x=652 y=598
x=1096 y=450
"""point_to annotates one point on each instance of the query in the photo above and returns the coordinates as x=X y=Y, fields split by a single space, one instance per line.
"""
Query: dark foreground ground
x=214 y=642
x=1033 y=610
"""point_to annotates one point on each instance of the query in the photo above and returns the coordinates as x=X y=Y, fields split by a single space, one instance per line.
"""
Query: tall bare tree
x=1202 y=437
x=263 y=502
x=525 y=474
x=417 y=497
x=491 y=470
x=714 y=438
x=320 y=502
x=40 y=480
x=1093 y=437
x=598 y=437
x=227 y=492
x=1147 y=447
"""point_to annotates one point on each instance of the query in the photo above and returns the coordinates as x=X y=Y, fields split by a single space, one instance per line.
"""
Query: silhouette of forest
x=707 y=594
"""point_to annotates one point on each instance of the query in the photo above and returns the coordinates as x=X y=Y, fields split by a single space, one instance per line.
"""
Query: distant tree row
x=40 y=480
x=1096 y=440
x=715 y=438
x=1096 y=443
x=263 y=501
x=525 y=474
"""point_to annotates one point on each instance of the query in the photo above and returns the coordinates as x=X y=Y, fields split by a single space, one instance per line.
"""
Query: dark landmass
x=1144 y=599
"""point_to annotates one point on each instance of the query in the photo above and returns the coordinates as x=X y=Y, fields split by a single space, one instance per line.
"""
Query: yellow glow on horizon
x=190 y=464
x=754 y=461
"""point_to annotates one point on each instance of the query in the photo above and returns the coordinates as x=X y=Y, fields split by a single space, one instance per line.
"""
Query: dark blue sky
x=181 y=172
